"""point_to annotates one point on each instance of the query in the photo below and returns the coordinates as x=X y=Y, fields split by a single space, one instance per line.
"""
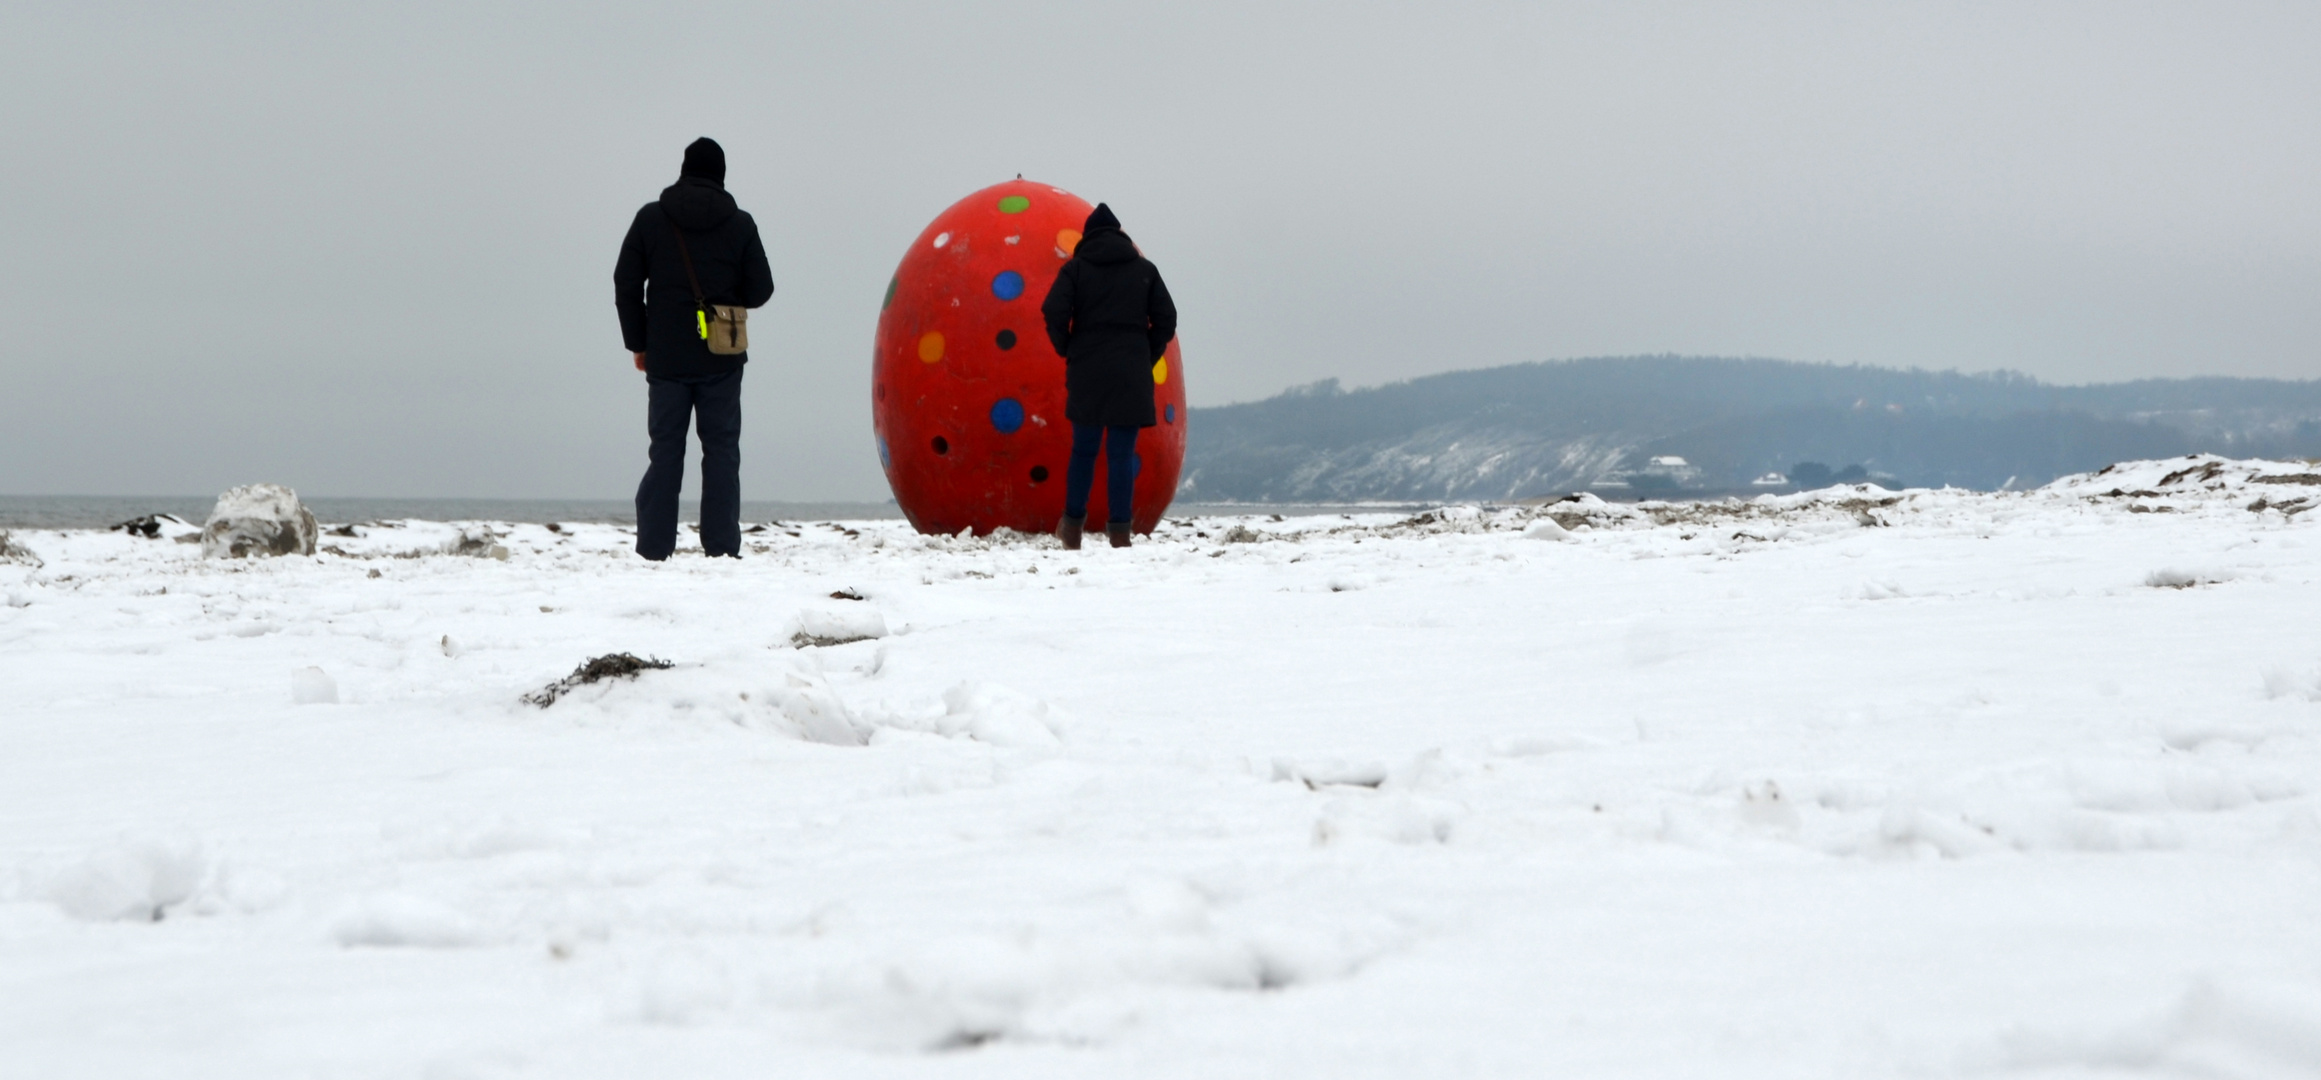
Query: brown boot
x=1068 y=531
x=1119 y=531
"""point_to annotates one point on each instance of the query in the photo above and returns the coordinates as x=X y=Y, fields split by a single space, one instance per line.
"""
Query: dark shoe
x=1069 y=530
x=1119 y=531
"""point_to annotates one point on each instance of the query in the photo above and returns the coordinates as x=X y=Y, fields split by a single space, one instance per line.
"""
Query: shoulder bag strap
x=700 y=302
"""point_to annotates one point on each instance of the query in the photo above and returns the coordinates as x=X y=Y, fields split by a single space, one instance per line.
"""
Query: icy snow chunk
x=135 y=879
x=821 y=628
x=402 y=919
x=990 y=713
x=258 y=519
x=19 y=599
x=477 y=544
x=817 y=710
x=1909 y=827
x=1546 y=530
x=313 y=686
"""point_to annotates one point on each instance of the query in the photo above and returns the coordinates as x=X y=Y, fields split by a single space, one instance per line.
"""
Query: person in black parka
x=683 y=378
x=1110 y=317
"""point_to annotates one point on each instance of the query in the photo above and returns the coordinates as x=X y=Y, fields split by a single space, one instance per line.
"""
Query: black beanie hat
x=704 y=159
x=1100 y=218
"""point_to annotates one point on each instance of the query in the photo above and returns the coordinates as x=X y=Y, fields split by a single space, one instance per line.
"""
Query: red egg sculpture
x=967 y=395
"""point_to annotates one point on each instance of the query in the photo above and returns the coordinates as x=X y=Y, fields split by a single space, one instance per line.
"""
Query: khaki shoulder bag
x=724 y=326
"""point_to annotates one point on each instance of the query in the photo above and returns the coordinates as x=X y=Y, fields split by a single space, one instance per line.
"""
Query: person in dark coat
x=1110 y=318
x=683 y=379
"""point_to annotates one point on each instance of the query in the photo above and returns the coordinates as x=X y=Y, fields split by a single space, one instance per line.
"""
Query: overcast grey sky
x=367 y=250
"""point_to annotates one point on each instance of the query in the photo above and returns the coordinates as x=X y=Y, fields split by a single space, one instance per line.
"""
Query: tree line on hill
x=1544 y=428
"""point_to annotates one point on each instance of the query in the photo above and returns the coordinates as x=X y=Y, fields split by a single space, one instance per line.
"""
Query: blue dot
x=1007 y=415
x=1169 y=413
x=1008 y=285
x=884 y=461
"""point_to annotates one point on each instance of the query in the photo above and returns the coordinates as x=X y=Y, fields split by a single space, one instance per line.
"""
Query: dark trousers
x=1119 y=446
x=670 y=405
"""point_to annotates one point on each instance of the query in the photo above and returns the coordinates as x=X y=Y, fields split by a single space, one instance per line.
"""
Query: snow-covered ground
x=1849 y=784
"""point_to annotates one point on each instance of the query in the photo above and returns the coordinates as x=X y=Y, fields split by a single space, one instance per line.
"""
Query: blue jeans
x=1119 y=446
x=712 y=405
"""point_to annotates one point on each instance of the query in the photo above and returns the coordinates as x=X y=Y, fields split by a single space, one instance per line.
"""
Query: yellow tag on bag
x=702 y=318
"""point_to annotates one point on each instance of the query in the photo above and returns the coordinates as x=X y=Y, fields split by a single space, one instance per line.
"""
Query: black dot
x=1006 y=340
x=942 y=445
x=1039 y=474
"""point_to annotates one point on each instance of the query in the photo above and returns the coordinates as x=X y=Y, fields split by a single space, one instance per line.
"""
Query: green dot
x=890 y=291
x=1014 y=204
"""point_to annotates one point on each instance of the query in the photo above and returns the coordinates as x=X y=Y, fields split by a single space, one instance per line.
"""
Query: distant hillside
x=1532 y=429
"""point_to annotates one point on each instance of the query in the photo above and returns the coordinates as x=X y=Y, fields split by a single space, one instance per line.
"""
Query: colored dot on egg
x=1006 y=340
x=1068 y=241
x=1008 y=285
x=931 y=346
x=1160 y=370
x=891 y=284
x=1014 y=204
x=1007 y=415
x=1168 y=414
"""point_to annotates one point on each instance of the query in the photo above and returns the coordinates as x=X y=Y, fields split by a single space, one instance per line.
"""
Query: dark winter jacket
x=649 y=286
x=1109 y=316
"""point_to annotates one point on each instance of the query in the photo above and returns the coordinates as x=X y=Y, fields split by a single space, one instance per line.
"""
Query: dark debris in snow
x=609 y=666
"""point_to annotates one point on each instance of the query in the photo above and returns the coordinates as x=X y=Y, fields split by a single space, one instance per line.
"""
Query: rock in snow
x=258 y=519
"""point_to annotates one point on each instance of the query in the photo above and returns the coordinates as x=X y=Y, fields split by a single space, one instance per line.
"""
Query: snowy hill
x=1533 y=429
x=1856 y=782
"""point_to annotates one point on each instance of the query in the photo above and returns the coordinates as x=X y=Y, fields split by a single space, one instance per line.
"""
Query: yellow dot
x=1068 y=241
x=931 y=347
x=1160 y=371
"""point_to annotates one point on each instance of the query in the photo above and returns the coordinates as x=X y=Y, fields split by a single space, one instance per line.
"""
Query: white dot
x=943 y=239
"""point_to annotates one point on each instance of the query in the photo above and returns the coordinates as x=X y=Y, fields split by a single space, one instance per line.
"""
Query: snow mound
x=258 y=519
x=405 y=920
x=991 y=713
x=136 y=879
x=2291 y=487
x=1546 y=529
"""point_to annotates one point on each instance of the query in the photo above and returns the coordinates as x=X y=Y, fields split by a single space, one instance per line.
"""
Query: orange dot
x=1160 y=371
x=931 y=347
x=1068 y=241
